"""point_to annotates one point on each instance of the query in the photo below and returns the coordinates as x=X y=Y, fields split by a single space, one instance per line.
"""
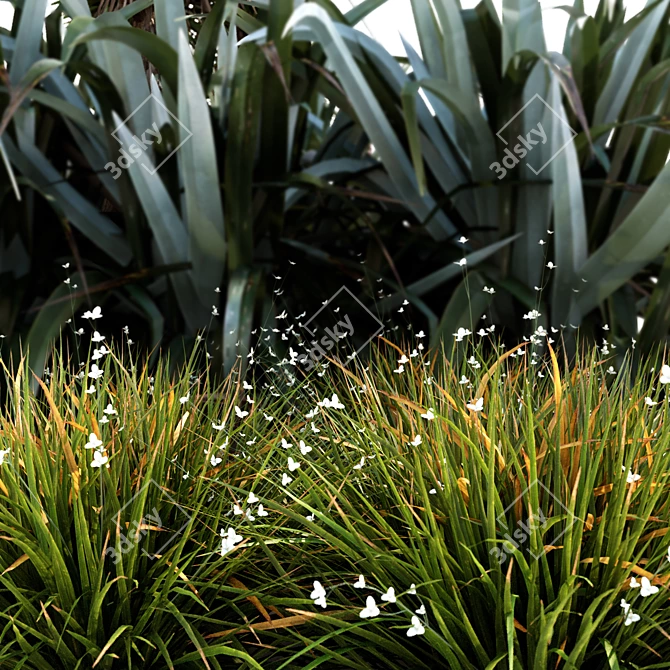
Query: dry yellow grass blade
x=287 y=622
x=570 y=445
x=180 y=426
x=489 y=373
x=463 y=484
x=67 y=449
x=16 y=563
x=602 y=490
x=634 y=568
x=660 y=532
x=233 y=581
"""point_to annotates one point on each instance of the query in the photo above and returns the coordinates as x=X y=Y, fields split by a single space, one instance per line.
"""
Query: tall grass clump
x=503 y=511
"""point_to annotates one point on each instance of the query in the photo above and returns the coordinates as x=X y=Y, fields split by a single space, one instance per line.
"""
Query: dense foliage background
x=315 y=159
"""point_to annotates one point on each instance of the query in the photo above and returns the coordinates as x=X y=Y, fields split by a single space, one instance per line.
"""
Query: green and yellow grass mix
x=122 y=566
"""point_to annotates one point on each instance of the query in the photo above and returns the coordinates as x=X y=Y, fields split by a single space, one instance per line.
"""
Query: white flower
x=99 y=459
x=665 y=374
x=464 y=380
x=421 y=611
x=240 y=413
x=251 y=498
x=93 y=442
x=478 y=405
x=214 y=460
x=360 y=582
x=109 y=409
x=95 y=372
x=318 y=595
x=421 y=334
x=489 y=290
x=624 y=605
x=533 y=314
x=634 y=584
x=285 y=479
x=648 y=401
x=261 y=511
x=229 y=539
x=389 y=596
x=412 y=590
x=400 y=370
x=333 y=403
x=461 y=333
x=371 y=609
x=218 y=426
x=94 y=314
x=360 y=464
x=417 y=628
x=304 y=449
x=184 y=399
x=463 y=262
x=99 y=353
x=292 y=465
x=462 y=239
x=631 y=617
x=550 y=265
x=3 y=455
x=90 y=389
x=428 y=416
x=96 y=337
x=416 y=441
x=647 y=588
x=631 y=478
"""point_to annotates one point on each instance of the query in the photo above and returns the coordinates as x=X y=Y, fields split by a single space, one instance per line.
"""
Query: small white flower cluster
x=100 y=457
x=333 y=403
x=371 y=610
x=229 y=539
x=646 y=589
